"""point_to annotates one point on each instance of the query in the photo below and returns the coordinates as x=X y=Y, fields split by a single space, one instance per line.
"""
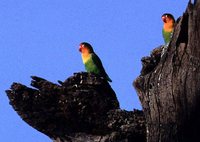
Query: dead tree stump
x=83 y=108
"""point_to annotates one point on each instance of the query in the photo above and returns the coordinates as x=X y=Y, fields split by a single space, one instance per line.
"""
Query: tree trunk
x=169 y=87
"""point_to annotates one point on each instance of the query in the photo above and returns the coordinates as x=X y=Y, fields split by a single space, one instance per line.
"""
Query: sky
x=41 y=37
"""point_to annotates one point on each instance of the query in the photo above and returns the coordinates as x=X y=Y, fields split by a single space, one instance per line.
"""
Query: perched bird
x=91 y=61
x=168 y=27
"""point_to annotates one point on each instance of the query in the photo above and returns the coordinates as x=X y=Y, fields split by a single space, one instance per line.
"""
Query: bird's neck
x=168 y=27
x=85 y=57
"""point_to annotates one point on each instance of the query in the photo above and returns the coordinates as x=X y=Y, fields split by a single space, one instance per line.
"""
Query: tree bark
x=169 y=87
x=83 y=108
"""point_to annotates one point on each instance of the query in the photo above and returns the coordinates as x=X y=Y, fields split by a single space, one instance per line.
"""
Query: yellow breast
x=85 y=57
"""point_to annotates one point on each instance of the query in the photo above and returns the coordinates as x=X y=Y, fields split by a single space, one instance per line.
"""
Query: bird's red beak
x=80 y=48
x=164 y=19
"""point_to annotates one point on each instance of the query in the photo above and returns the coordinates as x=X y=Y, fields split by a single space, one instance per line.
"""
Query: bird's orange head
x=168 y=18
x=85 y=47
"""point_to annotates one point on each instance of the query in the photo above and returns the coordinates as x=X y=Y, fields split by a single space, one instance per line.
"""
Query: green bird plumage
x=168 y=27
x=91 y=61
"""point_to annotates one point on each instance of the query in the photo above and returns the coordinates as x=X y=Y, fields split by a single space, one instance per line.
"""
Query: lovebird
x=168 y=27
x=91 y=61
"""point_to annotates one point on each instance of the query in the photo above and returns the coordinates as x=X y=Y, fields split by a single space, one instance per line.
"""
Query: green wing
x=94 y=65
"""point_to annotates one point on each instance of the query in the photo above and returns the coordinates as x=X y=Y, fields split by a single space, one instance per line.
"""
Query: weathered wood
x=84 y=108
x=170 y=91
